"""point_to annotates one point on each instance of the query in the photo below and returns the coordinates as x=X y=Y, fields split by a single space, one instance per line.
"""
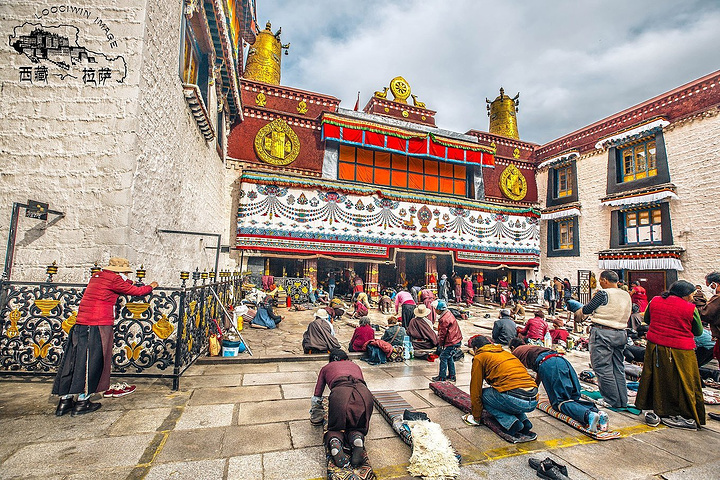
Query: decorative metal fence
x=158 y=336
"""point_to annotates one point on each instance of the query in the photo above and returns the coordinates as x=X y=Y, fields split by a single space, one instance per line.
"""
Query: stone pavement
x=250 y=421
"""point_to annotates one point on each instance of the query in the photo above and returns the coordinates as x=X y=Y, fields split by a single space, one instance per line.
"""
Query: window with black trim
x=562 y=185
x=643 y=227
x=639 y=161
x=401 y=171
x=194 y=69
x=563 y=238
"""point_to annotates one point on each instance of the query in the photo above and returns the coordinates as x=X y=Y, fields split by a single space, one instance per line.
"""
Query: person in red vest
x=87 y=358
x=670 y=382
x=638 y=294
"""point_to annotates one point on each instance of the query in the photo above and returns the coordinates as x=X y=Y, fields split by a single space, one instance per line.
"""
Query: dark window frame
x=553 y=238
x=552 y=198
x=617 y=227
x=615 y=180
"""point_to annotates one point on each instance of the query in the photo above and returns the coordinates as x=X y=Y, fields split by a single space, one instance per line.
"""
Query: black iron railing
x=159 y=335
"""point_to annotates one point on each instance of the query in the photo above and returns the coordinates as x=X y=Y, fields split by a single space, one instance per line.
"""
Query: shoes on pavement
x=119 y=390
x=452 y=379
x=548 y=471
x=549 y=462
x=438 y=379
x=679 y=422
x=652 y=419
x=714 y=416
x=64 y=406
x=84 y=406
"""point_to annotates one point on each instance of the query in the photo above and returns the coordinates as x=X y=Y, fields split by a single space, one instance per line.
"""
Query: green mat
x=592 y=396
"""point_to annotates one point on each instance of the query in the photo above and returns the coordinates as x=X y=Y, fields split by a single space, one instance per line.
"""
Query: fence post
x=179 y=343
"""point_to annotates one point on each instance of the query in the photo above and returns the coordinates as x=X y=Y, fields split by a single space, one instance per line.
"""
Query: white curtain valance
x=571 y=212
x=640 y=199
x=560 y=158
x=641 y=264
x=628 y=134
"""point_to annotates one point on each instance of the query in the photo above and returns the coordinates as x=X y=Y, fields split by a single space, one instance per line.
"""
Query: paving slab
x=186 y=445
x=95 y=474
x=66 y=457
x=431 y=398
x=388 y=455
x=245 y=467
x=196 y=470
x=279 y=378
x=304 y=434
x=515 y=467
x=414 y=400
x=56 y=428
x=219 y=380
x=233 y=368
x=631 y=459
x=670 y=438
x=139 y=421
x=247 y=439
x=302 y=366
x=379 y=427
x=299 y=390
x=399 y=384
x=697 y=472
x=153 y=396
x=273 y=411
x=215 y=395
x=301 y=464
x=206 y=416
x=446 y=417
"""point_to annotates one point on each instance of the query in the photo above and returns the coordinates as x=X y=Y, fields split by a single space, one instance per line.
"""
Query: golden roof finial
x=502 y=112
x=263 y=60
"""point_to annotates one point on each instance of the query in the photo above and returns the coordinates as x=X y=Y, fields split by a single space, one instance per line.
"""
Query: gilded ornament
x=400 y=89
x=424 y=117
x=512 y=183
x=41 y=349
x=13 y=331
x=260 y=100
x=263 y=60
x=501 y=111
x=382 y=94
x=416 y=102
x=69 y=322
x=133 y=351
x=137 y=309
x=302 y=107
x=46 y=306
x=387 y=110
x=276 y=143
x=405 y=113
x=162 y=328
x=516 y=153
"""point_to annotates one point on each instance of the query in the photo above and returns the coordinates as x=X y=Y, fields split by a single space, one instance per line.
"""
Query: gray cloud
x=572 y=62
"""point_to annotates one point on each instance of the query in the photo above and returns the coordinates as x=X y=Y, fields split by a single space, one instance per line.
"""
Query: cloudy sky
x=572 y=62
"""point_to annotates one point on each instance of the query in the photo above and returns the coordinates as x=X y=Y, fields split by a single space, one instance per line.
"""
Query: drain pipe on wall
x=201 y=234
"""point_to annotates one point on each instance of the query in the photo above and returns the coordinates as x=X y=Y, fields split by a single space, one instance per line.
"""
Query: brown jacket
x=710 y=314
x=501 y=369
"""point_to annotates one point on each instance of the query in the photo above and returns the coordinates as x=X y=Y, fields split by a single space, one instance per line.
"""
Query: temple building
x=381 y=192
x=634 y=192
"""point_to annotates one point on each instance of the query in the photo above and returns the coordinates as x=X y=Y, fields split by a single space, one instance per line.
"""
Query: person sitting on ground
x=320 y=334
x=535 y=329
x=337 y=308
x=362 y=306
x=670 y=382
x=420 y=330
x=517 y=310
x=350 y=407
x=361 y=336
x=504 y=328
x=405 y=305
x=558 y=334
x=394 y=334
x=561 y=384
x=272 y=291
x=385 y=304
x=449 y=339
x=322 y=295
x=636 y=318
x=265 y=317
x=512 y=392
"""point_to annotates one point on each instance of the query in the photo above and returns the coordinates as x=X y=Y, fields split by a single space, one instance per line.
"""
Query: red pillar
x=372 y=276
x=431 y=271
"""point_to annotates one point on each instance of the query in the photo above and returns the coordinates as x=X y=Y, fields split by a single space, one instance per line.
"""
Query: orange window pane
x=415 y=181
x=364 y=174
x=446 y=169
x=399 y=162
x=459 y=187
x=416 y=165
x=432 y=184
x=382 y=159
x=459 y=171
x=399 y=178
x=431 y=167
x=364 y=157
x=446 y=185
x=347 y=154
x=346 y=171
x=382 y=177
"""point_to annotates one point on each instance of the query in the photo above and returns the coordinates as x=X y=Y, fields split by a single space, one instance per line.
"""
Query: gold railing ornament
x=140 y=274
x=137 y=308
x=46 y=305
x=163 y=328
x=95 y=269
x=51 y=270
x=69 y=322
x=184 y=276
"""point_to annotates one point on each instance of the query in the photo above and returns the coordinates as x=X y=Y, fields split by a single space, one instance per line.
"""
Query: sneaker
x=679 y=422
x=652 y=419
x=601 y=402
x=122 y=389
x=604 y=422
x=593 y=420
x=438 y=379
x=452 y=379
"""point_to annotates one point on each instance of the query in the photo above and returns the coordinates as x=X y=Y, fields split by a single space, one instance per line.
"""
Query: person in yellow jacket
x=512 y=392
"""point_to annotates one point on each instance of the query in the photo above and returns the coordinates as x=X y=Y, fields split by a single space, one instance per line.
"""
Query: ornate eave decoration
x=641 y=196
x=632 y=134
x=197 y=106
x=564 y=211
x=559 y=160
x=659 y=257
x=221 y=40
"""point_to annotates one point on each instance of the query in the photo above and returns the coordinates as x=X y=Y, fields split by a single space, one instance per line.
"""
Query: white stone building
x=101 y=121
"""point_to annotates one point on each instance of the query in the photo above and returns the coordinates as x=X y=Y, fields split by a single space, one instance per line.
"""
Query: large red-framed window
x=401 y=171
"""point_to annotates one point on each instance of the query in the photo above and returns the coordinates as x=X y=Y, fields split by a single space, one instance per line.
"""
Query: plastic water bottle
x=547 y=340
x=407 y=346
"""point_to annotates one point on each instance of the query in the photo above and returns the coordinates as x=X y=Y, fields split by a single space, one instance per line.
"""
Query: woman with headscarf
x=670 y=382
x=468 y=292
x=320 y=334
x=87 y=356
x=362 y=306
x=361 y=336
x=350 y=406
x=394 y=334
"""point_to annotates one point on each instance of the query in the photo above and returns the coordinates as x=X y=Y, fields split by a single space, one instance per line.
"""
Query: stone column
x=371 y=280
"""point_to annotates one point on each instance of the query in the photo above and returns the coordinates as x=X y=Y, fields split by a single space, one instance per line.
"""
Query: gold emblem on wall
x=302 y=107
x=513 y=183
x=400 y=89
x=276 y=143
x=260 y=100
x=516 y=153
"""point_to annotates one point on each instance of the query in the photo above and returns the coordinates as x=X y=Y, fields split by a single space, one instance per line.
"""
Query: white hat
x=321 y=313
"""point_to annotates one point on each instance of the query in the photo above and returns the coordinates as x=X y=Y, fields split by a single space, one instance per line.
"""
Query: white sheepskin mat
x=433 y=457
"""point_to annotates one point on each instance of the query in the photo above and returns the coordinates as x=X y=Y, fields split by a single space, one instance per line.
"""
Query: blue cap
x=441 y=305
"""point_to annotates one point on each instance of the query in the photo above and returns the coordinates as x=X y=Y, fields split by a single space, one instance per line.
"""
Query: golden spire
x=501 y=111
x=263 y=60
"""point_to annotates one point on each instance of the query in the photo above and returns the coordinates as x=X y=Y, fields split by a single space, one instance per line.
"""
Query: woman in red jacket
x=670 y=382
x=87 y=358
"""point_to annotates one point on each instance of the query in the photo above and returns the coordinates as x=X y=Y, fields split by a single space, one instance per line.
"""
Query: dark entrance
x=655 y=282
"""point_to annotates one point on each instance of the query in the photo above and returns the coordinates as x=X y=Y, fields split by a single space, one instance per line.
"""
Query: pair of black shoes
x=80 y=407
x=549 y=469
x=440 y=379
